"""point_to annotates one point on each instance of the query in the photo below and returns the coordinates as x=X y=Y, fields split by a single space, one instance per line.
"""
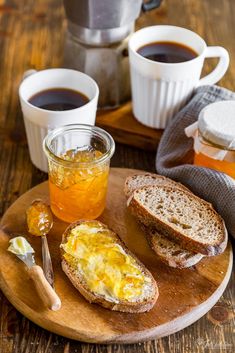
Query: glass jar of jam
x=214 y=137
x=78 y=168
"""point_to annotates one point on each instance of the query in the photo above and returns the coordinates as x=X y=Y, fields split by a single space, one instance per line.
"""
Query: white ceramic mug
x=159 y=89
x=38 y=122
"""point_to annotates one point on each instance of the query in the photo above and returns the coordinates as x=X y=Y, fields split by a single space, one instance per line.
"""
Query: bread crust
x=151 y=220
x=156 y=177
x=81 y=286
x=171 y=260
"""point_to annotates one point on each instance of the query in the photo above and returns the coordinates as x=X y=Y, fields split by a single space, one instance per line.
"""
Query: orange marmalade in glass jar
x=78 y=168
x=214 y=137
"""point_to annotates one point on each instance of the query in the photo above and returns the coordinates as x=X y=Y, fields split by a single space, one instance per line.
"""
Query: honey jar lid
x=216 y=124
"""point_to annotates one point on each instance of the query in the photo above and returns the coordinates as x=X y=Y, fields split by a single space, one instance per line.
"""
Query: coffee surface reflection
x=167 y=52
x=58 y=99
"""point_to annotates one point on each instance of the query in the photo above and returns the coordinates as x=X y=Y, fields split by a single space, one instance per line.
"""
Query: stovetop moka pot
x=96 y=43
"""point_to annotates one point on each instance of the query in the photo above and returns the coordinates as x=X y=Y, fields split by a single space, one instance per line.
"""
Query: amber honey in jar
x=78 y=168
x=214 y=137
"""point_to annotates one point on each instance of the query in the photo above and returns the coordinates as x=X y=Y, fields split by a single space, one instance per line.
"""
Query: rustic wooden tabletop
x=31 y=36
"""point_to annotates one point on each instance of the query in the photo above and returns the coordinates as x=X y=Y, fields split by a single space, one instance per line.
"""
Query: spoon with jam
x=40 y=222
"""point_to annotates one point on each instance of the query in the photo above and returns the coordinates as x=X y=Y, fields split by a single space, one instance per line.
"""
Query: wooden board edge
x=147 y=335
x=192 y=316
x=134 y=139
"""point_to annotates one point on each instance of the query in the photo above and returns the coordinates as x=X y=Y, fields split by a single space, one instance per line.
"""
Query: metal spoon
x=40 y=222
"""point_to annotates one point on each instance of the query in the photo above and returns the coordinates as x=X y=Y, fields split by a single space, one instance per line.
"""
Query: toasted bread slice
x=137 y=181
x=182 y=216
x=116 y=279
x=168 y=251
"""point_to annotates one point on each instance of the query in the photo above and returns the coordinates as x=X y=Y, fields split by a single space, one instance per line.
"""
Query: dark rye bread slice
x=77 y=279
x=137 y=181
x=182 y=216
x=168 y=251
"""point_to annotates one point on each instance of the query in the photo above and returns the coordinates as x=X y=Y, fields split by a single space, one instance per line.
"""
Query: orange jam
x=222 y=166
x=78 y=192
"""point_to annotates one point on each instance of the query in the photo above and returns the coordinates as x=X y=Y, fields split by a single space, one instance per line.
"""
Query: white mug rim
x=157 y=63
x=53 y=112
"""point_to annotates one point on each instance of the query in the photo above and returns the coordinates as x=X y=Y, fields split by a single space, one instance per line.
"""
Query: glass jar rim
x=84 y=128
x=211 y=143
x=216 y=124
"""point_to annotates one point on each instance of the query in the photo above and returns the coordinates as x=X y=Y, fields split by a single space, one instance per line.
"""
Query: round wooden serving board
x=185 y=295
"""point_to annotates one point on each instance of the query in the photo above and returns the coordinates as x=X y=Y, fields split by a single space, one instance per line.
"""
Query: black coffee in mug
x=167 y=52
x=59 y=99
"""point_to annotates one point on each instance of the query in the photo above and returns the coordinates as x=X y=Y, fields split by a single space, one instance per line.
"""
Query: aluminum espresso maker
x=96 y=43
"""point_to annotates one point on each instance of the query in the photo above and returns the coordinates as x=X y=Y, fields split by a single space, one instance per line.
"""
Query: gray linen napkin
x=175 y=155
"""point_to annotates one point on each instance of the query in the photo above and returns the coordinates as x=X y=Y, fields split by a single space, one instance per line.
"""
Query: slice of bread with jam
x=104 y=271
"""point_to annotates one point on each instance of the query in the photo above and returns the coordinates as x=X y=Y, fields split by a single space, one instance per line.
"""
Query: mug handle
x=220 y=69
x=28 y=73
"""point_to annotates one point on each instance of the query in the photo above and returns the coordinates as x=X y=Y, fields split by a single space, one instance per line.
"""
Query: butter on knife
x=20 y=246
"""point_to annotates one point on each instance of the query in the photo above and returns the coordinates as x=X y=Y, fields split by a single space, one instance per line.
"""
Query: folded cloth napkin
x=175 y=157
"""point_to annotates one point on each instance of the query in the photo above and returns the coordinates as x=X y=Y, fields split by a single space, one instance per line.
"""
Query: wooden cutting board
x=185 y=295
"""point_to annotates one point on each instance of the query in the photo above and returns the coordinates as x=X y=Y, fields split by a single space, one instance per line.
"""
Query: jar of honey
x=78 y=167
x=214 y=137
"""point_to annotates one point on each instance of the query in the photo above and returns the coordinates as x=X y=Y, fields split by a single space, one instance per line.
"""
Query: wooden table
x=31 y=36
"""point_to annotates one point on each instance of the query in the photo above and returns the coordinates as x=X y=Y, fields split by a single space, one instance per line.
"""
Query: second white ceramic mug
x=38 y=122
x=159 y=89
